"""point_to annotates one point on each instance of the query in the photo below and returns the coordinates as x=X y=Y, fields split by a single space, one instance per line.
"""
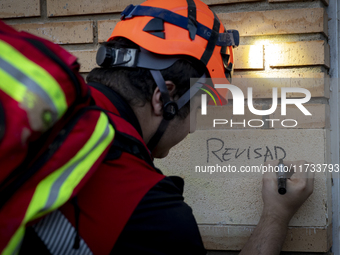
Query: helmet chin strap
x=168 y=112
x=170 y=108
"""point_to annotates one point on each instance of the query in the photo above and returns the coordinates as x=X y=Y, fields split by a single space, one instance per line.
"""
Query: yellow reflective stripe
x=70 y=174
x=16 y=90
x=84 y=160
x=13 y=246
x=36 y=73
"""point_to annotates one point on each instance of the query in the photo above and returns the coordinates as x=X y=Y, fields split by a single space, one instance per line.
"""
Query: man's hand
x=299 y=187
x=270 y=233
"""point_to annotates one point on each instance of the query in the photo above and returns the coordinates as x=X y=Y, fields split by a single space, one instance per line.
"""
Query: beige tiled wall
x=227 y=206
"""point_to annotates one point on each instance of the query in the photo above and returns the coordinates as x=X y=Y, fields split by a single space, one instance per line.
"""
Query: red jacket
x=127 y=207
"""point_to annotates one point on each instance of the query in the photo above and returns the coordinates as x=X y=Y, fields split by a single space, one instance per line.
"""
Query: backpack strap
x=22 y=174
x=124 y=142
x=127 y=143
x=2 y=122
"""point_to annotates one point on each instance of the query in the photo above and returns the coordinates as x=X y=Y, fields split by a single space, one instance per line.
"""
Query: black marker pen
x=281 y=179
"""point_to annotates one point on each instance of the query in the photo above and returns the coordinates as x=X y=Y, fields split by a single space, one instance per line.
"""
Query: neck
x=148 y=122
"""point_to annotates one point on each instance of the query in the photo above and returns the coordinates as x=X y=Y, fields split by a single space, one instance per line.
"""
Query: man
x=129 y=206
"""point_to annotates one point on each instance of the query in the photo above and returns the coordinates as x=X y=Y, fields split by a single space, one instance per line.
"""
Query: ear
x=157 y=104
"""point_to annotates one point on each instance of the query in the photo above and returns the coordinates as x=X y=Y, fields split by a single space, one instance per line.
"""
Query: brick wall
x=279 y=39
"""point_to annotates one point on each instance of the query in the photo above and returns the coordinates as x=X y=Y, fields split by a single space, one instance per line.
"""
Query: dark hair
x=136 y=85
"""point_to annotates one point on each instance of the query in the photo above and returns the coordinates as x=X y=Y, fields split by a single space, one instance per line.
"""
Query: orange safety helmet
x=181 y=27
x=166 y=30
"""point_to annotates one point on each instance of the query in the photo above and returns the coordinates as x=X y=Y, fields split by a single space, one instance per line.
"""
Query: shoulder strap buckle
x=128 y=12
x=229 y=38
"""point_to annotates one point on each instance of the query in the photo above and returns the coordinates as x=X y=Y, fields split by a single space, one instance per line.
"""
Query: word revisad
x=216 y=150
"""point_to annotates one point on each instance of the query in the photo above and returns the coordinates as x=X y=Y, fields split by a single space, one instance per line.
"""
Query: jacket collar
x=124 y=109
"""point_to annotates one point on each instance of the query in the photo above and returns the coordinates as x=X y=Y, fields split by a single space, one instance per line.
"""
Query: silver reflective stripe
x=59 y=182
x=58 y=235
x=28 y=82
